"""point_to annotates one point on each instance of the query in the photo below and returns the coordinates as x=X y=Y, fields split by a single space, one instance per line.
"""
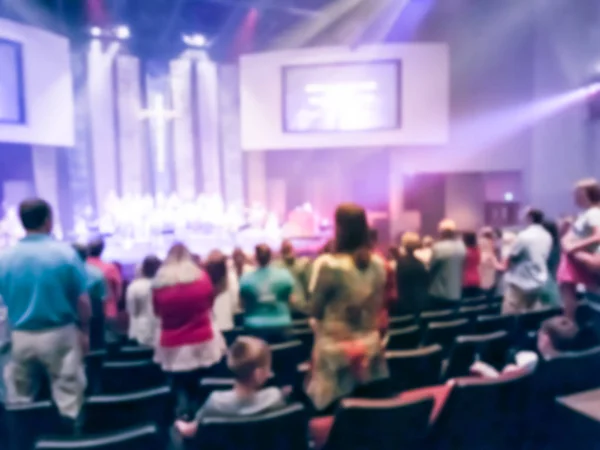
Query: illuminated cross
x=160 y=117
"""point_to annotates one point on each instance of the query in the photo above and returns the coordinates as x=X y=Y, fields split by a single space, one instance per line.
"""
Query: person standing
x=96 y=288
x=190 y=343
x=143 y=325
x=412 y=278
x=265 y=295
x=43 y=283
x=114 y=283
x=527 y=266
x=347 y=292
x=446 y=267
x=490 y=265
x=471 y=278
x=299 y=269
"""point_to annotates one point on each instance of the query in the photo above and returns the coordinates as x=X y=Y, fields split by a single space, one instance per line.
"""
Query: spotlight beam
x=264 y=5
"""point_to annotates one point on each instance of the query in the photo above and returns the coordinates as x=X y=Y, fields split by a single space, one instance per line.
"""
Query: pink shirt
x=114 y=283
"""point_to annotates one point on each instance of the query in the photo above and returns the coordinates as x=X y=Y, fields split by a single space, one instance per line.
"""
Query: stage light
x=96 y=31
x=122 y=32
x=195 y=40
x=509 y=197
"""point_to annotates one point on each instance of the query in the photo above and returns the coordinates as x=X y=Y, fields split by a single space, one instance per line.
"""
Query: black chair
x=238 y=320
x=132 y=354
x=93 y=371
x=494 y=309
x=410 y=369
x=404 y=338
x=300 y=323
x=475 y=301
x=484 y=413
x=531 y=321
x=380 y=424
x=472 y=312
x=435 y=316
x=209 y=385
x=27 y=422
x=286 y=429
x=402 y=321
x=108 y=413
x=491 y=324
x=141 y=438
x=490 y=348
x=126 y=377
x=286 y=358
x=307 y=337
x=444 y=333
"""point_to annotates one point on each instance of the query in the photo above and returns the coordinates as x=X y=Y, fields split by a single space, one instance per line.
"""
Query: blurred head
x=239 y=257
x=249 y=359
x=178 y=253
x=447 y=229
x=427 y=242
x=352 y=233
x=96 y=247
x=587 y=193
x=262 y=253
x=287 y=251
x=36 y=216
x=150 y=266
x=216 y=267
x=410 y=242
x=470 y=239
x=81 y=250
x=557 y=335
x=534 y=216
x=488 y=233
x=393 y=253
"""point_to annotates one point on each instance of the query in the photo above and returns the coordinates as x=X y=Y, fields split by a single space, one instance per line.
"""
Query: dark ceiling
x=157 y=25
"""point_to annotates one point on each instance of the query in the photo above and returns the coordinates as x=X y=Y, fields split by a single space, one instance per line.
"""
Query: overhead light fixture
x=96 y=31
x=196 y=40
x=122 y=32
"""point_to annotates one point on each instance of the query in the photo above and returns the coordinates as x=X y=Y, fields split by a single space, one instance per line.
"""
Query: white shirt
x=528 y=259
x=143 y=324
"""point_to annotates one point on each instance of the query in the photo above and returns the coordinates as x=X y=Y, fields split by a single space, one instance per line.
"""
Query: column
x=130 y=140
x=183 y=129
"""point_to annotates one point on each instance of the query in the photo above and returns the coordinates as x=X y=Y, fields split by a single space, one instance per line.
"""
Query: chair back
x=444 y=333
x=531 y=321
x=108 y=413
x=210 y=385
x=286 y=429
x=140 y=438
x=380 y=424
x=93 y=371
x=474 y=301
x=471 y=312
x=490 y=348
x=435 y=316
x=485 y=413
x=131 y=376
x=491 y=324
x=307 y=337
x=411 y=369
x=29 y=421
x=132 y=353
x=402 y=321
x=286 y=358
x=407 y=338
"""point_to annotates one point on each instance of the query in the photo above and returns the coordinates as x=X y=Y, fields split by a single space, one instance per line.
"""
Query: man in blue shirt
x=43 y=285
x=265 y=296
x=97 y=292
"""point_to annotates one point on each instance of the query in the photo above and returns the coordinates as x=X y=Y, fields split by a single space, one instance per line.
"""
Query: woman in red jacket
x=471 y=278
x=189 y=343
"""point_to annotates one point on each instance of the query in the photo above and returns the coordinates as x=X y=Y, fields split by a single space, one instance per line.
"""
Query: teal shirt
x=96 y=289
x=41 y=280
x=265 y=295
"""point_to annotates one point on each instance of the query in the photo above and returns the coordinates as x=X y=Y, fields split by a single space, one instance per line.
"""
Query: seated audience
x=347 y=291
x=412 y=278
x=446 y=267
x=190 y=343
x=471 y=280
x=44 y=286
x=143 y=324
x=582 y=237
x=527 y=266
x=299 y=269
x=249 y=359
x=96 y=289
x=265 y=296
x=556 y=336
